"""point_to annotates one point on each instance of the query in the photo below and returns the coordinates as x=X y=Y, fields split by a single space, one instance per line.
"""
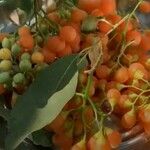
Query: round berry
x=25 y=56
x=25 y=65
x=12 y=40
x=5 y=65
x=37 y=58
x=122 y=75
x=5 y=53
x=89 y=24
x=6 y=43
x=19 y=78
x=39 y=39
x=68 y=33
x=4 y=77
x=15 y=49
x=145 y=7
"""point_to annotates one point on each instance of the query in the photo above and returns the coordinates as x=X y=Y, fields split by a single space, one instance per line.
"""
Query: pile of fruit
x=114 y=83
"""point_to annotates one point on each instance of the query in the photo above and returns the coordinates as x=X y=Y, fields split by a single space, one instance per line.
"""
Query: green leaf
x=2 y=2
x=27 y=117
x=41 y=138
x=4 y=112
x=3 y=132
x=26 y=146
x=82 y=62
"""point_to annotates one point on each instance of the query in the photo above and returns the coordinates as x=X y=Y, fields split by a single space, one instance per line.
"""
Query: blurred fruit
x=5 y=53
x=25 y=65
x=15 y=49
x=4 y=77
x=6 y=43
x=19 y=78
x=5 y=65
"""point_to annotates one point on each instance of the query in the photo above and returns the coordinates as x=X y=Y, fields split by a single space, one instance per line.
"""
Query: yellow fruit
x=5 y=53
x=37 y=58
x=5 y=65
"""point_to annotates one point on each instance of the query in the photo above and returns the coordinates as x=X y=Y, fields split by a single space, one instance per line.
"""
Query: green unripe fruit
x=5 y=53
x=4 y=77
x=19 y=78
x=89 y=24
x=5 y=65
x=12 y=40
x=6 y=43
x=25 y=65
x=15 y=49
x=65 y=14
x=39 y=39
x=25 y=56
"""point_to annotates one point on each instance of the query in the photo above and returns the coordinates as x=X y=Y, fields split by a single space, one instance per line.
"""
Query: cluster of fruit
x=120 y=84
x=116 y=81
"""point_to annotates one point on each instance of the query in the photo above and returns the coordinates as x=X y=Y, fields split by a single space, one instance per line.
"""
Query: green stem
x=124 y=45
x=95 y=111
x=89 y=82
x=36 y=7
x=83 y=119
x=122 y=52
x=85 y=96
x=118 y=24
x=101 y=122
x=52 y=24
x=130 y=15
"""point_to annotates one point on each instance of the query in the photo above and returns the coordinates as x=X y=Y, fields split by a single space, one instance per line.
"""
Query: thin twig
x=117 y=25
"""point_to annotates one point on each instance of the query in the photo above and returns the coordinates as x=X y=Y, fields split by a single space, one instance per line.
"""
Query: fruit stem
x=124 y=47
x=52 y=24
x=145 y=81
x=95 y=111
x=89 y=82
x=79 y=94
x=132 y=86
x=118 y=24
x=83 y=121
x=144 y=91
